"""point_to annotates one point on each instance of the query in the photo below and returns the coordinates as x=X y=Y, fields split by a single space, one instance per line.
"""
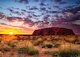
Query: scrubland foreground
x=39 y=46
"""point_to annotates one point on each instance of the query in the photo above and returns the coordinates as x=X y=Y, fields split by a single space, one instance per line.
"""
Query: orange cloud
x=6 y=29
x=16 y=26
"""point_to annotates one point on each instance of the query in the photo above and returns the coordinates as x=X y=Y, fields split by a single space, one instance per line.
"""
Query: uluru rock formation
x=54 y=31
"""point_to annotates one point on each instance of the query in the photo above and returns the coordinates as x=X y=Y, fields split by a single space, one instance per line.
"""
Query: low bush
x=27 y=50
x=33 y=52
x=70 y=53
x=23 y=50
x=38 y=43
x=5 y=48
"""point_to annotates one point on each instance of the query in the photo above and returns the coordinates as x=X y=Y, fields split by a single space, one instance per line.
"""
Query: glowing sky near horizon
x=26 y=16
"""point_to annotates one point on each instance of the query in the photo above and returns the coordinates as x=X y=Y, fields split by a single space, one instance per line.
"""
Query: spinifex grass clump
x=23 y=50
x=5 y=48
x=69 y=53
x=33 y=52
x=28 y=50
x=38 y=43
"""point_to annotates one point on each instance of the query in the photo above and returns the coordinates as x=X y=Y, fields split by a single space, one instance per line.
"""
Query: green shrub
x=33 y=52
x=23 y=50
x=27 y=50
x=70 y=53
x=5 y=49
x=38 y=43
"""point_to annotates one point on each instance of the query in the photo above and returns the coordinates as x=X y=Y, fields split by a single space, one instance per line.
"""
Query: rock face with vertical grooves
x=53 y=31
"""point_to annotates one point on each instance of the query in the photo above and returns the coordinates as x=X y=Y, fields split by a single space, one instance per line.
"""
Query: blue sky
x=11 y=3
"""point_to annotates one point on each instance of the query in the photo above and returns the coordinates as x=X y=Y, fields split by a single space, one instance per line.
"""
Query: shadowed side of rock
x=53 y=31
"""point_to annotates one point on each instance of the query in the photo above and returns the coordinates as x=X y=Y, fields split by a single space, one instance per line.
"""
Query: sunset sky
x=25 y=16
